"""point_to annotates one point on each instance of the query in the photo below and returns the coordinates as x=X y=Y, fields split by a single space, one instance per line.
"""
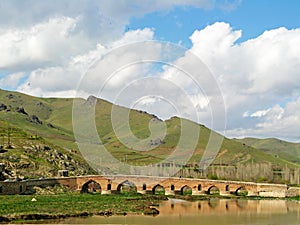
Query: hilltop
x=41 y=134
x=276 y=147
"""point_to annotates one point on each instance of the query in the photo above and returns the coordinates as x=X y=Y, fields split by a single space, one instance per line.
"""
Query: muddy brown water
x=213 y=212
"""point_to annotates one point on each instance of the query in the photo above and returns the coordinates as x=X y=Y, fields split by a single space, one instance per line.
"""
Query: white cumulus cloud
x=261 y=73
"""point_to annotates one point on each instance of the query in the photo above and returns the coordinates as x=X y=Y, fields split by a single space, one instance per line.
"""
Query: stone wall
x=12 y=187
x=293 y=191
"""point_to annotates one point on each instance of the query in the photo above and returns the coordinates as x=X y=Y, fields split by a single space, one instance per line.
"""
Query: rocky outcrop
x=35 y=119
x=21 y=110
x=3 y=107
x=156 y=142
x=151 y=211
x=91 y=100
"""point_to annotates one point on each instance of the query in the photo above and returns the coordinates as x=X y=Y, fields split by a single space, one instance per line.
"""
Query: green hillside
x=48 y=121
x=278 y=148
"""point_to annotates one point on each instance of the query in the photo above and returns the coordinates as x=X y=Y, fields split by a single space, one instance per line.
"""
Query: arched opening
x=108 y=187
x=158 y=190
x=172 y=187
x=1 y=189
x=90 y=187
x=227 y=188
x=144 y=187
x=186 y=190
x=126 y=187
x=199 y=187
x=213 y=190
x=241 y=191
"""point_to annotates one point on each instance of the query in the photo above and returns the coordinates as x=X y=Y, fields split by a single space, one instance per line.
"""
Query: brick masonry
x=148 y=184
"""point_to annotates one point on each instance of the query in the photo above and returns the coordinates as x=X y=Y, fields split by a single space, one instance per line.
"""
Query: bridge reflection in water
x=228 y=206
x=213 y=212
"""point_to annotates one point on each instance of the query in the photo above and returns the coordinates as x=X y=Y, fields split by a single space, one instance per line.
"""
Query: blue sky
x=253 y=17
x=250 y=47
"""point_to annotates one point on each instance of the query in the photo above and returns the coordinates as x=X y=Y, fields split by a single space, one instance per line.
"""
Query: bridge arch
x=90 y=187
x=213 y=190
x=158 y=190
x=126 y=187
x=186 y=190
x=241 y=191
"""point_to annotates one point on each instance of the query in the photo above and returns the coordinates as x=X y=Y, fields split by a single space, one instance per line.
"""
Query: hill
x=37 y=124
x=276 y=147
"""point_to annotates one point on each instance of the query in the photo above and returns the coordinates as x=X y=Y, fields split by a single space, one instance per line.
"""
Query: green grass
x=75 y=203
x=58 y=112
x=295 y=198
x=277 y=148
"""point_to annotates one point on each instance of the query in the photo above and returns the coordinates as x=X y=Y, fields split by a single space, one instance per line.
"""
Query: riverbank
x=18 y=208
x=25 y=208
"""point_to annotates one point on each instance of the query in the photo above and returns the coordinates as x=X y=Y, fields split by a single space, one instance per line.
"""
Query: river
x=213 y=212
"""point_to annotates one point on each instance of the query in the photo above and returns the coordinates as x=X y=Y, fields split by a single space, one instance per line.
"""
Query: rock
x=33 y=200
x=47 y=148
x=2 y=167
x=50 y=125
x=21 y=110
x=39 y=104
x=4 y=219
x=157 y=141
x=3 y=107
x=13 y=158
x=23 y=164
x=35 y=119
x=105 y=213
x=151 y=211
x=91 y=100
x=10 y=96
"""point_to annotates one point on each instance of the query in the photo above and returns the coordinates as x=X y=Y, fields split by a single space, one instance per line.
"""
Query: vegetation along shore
x=54 y=206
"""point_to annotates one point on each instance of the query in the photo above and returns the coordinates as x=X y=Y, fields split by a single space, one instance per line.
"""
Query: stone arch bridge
x=149 y=184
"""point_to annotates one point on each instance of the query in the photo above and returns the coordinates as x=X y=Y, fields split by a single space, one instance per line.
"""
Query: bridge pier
x=253 y=193
x=196 y=192
x=169 y=192
x=225 y=193
x=105 y=192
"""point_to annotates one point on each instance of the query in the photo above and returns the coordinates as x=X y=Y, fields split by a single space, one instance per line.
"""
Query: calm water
x=214 y=212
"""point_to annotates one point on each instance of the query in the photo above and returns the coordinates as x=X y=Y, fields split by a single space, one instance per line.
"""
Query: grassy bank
x=21 y=207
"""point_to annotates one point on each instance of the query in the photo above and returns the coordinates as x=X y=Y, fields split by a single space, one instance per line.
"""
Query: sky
x=251 y=49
